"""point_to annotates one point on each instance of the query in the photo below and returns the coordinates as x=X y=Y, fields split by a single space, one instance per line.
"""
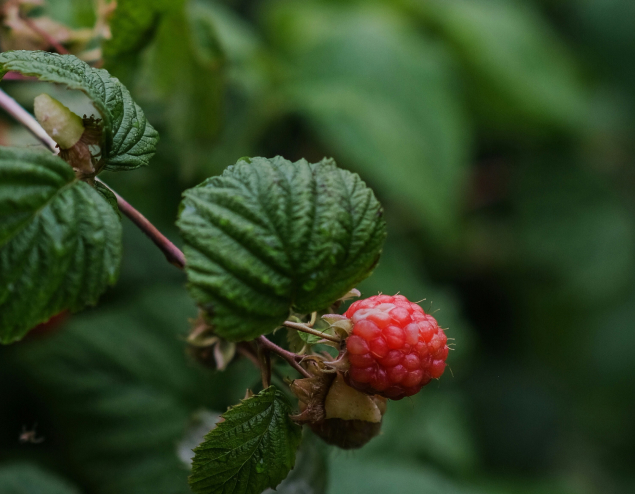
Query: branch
x=53 y=43
x=285 y=354
x=264 y=358
x=306 y=329
x=172 y=253
x=13 y=108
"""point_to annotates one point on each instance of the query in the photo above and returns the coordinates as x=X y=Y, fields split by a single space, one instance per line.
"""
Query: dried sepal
x=311 y=393
x=339 y=414
x=207 y=347
x=85 y=155
x=340 y=324
x=354 y=293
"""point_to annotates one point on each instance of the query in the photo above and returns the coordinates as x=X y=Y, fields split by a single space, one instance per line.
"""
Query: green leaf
x=60 y=241
x=121 y=367
x=24 y=478
x=252 y=449
x=108 y=195
x=131 y=26
x=270 y=235
x=310 y=474
x=520 y=72
x=380 y=97
x=191 y=88
x=129 y=140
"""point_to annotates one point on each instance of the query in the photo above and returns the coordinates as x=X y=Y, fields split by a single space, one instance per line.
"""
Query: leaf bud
x=64 y=127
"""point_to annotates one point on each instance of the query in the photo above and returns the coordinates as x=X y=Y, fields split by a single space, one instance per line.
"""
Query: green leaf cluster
x=253 y=448
x=60 y=241
x=129 y=141
x=269 y=236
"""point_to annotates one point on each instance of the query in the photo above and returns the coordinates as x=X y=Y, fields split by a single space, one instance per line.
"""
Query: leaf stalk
x=306 y=329
x=172 y=253
x=290 y=357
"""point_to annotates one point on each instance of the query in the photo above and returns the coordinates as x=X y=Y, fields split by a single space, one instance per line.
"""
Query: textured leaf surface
x=60 y=241
x=271 y=235
x=382 y=99
x=254 y=448
x=310 y=474
x=129 y=140
x=24 y=478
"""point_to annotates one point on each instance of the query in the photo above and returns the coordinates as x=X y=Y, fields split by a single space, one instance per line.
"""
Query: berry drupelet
x=395 y=348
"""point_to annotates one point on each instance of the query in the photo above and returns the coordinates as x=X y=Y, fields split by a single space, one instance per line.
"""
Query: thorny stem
x=306 y=329
x=172 y=253
x=290 y=357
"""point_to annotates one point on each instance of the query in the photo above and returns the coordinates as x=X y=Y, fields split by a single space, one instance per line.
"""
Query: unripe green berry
x=64 y=127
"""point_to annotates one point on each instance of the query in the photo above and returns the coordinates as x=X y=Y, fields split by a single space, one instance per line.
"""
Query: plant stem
x=13 y=108
x=264 y=358
x=285 y=354
x=53 y=43
x=306 y=329
x=172 y=253
x=245 y=349
x=16 y=76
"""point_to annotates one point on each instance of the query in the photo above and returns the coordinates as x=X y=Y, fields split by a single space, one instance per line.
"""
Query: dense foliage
x=495 y=133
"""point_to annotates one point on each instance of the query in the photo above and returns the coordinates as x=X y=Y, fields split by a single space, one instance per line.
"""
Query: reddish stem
x=53 y=43
x=172 y=253
x=16 y=76
x=285 y=354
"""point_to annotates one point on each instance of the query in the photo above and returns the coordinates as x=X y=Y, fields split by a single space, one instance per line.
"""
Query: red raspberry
x=395 y=348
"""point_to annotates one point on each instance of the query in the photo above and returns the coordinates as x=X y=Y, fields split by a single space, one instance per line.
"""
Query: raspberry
x=395 y=348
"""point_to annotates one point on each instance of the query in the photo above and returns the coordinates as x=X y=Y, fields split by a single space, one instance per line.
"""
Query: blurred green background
x=498 y=136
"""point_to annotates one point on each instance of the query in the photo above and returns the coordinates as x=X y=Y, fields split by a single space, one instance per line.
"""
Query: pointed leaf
x=252 y=449
x=270 y=235
x=129 y=140
x=60 y=241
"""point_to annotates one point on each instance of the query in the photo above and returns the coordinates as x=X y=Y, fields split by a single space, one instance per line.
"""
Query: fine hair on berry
x=395 y=348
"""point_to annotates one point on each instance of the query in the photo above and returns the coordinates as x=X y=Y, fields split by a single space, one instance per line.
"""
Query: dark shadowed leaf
x=121 y=391
x=25 y=478
x=60 y=241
